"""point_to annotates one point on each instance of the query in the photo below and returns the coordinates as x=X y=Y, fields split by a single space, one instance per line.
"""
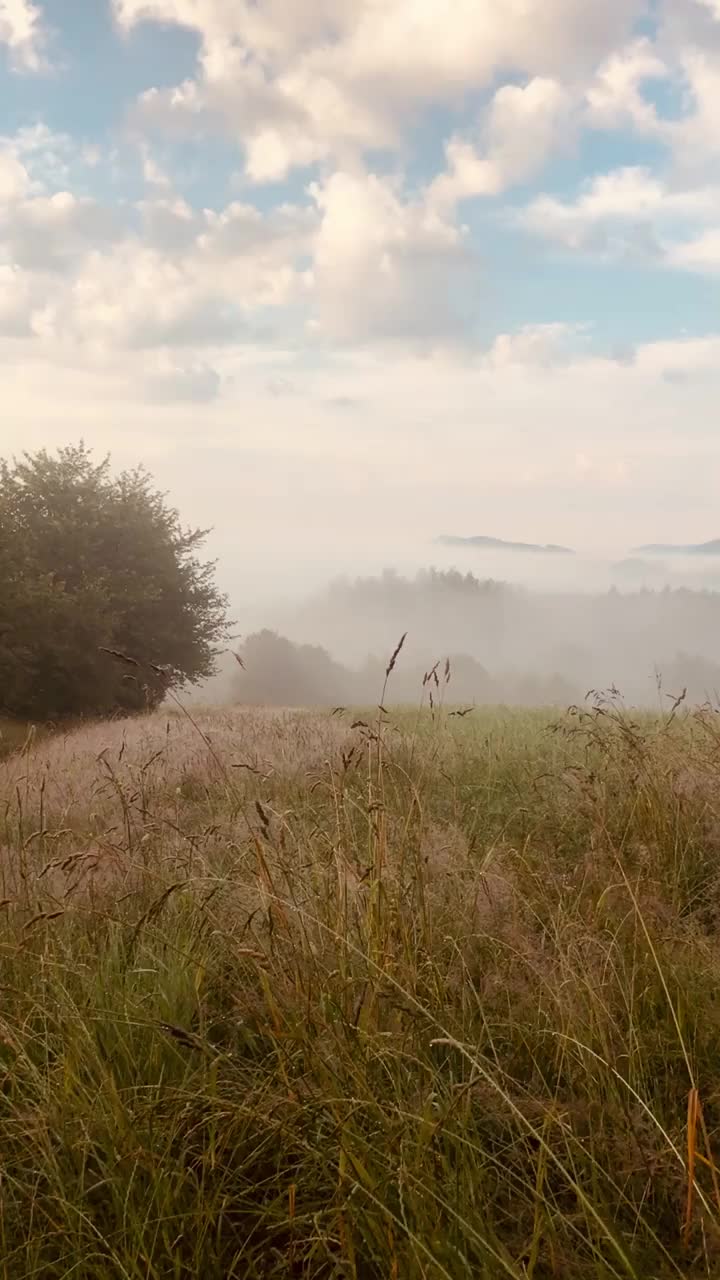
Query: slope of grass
x=375 y=996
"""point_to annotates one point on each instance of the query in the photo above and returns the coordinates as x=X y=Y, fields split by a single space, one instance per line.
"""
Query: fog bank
x=506 y=641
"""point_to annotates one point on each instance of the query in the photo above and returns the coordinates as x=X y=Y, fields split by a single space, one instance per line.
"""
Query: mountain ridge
x=711 y=548
x=502 y=544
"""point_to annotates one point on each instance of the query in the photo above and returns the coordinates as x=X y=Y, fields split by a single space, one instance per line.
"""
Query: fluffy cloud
x=687 y=66
x=50 y=233
x=626 y=212
x=140 y=297
x=315 y=80
x=522 y=127
x=157 y=274
x=482 y=35
x=21 y=31
x=294 y=119
x=314 y=331
x=360 y=261
x=695 y=137
x=384 y=266
x=541 y=346
x=615 y=97
x=16 y=303
x=14 y=177
x=325 y=82
x=701 y=254
x=137 y=298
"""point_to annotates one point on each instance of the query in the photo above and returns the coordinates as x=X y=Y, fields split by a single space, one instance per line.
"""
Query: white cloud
x=316 y=80
x=276 y=318
x=543 y=346
x=16 y=302
x=615 y=99
x=523 y=126
x=273 y=29
x=383 y=266
x=137 y=298
x=14 y=177
x=50 y=233
x=626 y=211
x=361 y=262
x=146 y=276
x=695 y=137
x=22 y=32
x=169 y=223
x=687 y=64
x=414 y=50
x=292 y=119
x=43 y=229
x=701 y=254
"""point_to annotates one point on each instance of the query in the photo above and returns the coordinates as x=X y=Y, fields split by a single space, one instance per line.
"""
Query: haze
x=349 y=276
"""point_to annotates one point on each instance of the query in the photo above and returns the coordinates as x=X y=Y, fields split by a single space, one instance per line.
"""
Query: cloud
x=291 y=120
x=695 y=137
x=149 y=275
x=687 y=358
x=21 y=30
x=50 y=233
x=523 y=126
x=318 y=80
x=169 y=223
x=701 y=254
x=14 y=177
x=627 y=212
x=687 y=66
x=542 y=346
x=385 y=266
x=343 y=329
x=170 y=382
x=615 y=99
x=138 y=298
x=16 y=303
x=450 y=436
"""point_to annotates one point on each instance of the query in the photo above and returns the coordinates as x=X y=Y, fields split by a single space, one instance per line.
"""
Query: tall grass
x=385 y=995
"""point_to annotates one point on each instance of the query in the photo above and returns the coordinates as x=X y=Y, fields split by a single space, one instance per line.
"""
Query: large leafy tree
x=91 y=563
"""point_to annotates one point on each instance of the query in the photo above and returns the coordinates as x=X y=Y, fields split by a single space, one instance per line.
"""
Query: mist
x=288 y=571
x=519 y=627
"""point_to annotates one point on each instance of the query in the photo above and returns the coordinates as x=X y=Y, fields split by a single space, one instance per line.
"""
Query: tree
x=90 y=562
x=277 y=672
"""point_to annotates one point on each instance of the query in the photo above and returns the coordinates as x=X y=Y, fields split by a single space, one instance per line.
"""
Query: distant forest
x=505 y=644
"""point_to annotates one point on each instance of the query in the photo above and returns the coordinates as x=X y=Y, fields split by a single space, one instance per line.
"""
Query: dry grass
x=423 y=997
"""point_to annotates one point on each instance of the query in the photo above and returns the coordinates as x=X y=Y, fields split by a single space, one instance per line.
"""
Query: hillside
x=362 y=995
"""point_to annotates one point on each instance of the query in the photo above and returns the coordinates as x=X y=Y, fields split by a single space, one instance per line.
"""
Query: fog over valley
x=523 y=625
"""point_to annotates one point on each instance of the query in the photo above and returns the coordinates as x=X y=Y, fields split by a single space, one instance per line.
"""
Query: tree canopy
x=91 y=562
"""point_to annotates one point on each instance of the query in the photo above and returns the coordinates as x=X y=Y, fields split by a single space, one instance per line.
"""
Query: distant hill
x=671 y=549
x=499 y=544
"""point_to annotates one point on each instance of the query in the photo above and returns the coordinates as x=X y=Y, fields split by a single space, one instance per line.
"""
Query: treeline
x=274 y=671
x=506 y=644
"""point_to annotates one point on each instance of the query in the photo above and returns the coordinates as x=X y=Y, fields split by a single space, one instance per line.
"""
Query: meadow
x=396 y=994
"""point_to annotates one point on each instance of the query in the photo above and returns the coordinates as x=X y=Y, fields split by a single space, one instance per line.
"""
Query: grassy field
x=393 y=996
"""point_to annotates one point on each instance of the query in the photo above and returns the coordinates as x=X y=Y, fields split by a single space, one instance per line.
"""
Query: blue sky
x=454 y=265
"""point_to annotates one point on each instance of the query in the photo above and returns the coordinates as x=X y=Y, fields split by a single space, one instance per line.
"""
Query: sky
x=351 y=274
